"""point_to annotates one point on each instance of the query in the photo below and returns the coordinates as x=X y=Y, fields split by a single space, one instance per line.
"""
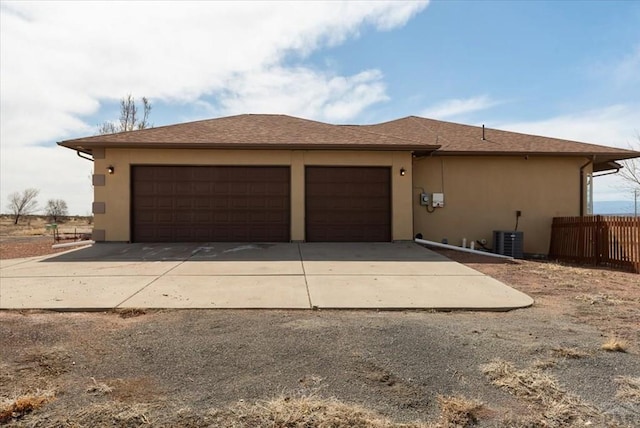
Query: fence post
x=598 y=239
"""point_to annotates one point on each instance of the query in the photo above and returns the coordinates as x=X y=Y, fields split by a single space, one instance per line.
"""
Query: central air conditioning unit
x=508 y=243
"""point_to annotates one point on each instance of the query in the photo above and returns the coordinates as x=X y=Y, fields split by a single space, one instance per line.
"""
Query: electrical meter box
x=425 y=198
x=437 y=200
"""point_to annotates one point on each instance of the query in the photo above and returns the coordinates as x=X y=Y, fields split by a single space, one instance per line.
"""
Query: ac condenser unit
x=508 y=243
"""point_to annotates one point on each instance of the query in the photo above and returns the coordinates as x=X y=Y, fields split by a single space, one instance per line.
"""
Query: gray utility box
x=508 y=243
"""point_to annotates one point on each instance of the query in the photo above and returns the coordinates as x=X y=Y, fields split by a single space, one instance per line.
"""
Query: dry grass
x=131 y=312
x=628 y=389
x=558 y=408
x=34 y=225
x=614 y=345
x=458 y=411
x=281 y=412
x=544 y=364
x=599 y=299
x=112 y=414
x=286 y=412
x=23 y=405
x=99 y=388
x=568 y=353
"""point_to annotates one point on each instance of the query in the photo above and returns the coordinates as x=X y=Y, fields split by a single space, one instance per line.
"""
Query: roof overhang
x=607 y=166
x=598 y=158
x=88 y=147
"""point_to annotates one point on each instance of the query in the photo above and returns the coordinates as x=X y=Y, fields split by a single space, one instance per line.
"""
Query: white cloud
x=304 y=93
x=458 y=107
x=60 y=60
x=615 y=126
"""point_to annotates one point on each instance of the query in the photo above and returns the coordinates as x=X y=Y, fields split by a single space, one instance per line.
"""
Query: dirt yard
x=30 y=237
x=570 y=360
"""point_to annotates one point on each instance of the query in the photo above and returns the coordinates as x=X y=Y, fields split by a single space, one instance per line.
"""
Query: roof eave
x=602 y=157
x=83 y=146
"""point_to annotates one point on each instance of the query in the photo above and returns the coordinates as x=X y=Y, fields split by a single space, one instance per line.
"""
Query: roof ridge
x=352 y=128
x=413 y=118
x=422 y=125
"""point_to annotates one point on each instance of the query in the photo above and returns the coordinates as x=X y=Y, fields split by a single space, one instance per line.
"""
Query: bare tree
x=56 y=208
x=129 y=118
x=631 y=171
x=23 y=203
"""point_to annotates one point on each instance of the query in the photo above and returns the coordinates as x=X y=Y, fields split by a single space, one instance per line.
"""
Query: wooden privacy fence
x=597 y=240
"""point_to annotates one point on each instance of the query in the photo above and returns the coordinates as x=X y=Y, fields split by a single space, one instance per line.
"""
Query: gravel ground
x=396 y=363
x=170 y=368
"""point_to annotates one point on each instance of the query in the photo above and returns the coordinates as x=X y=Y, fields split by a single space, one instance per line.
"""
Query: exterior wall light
x=403 y=171
x=110 y=169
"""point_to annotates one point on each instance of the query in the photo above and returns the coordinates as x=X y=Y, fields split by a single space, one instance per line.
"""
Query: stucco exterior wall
x=482 y=194
x=116 y=191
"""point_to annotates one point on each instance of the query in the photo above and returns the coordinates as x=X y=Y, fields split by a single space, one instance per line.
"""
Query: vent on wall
x=508 y=243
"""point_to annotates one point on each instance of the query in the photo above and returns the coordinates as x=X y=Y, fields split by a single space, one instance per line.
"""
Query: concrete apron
x=387 y=276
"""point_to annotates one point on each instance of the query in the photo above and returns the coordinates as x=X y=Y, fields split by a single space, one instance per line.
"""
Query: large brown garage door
x=348 y=204
x=210 y=203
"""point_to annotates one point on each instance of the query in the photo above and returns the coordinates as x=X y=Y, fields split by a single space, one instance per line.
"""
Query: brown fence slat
x=597 y=240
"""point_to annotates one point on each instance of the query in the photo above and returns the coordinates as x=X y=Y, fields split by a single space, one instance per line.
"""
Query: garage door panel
x=183 y=233
x=163 y=233
x=184 y=188
x=183 y=202
x=183 y=217
x=161 y=217
x=165 y=188
x=277 y=204
x=210 y=203
x=163 y=202
x=146 y=201
x=202 y=217
x=201 y=204
x=348 y=204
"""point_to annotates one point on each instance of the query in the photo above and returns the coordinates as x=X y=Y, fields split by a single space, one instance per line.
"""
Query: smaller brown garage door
x=348 y=204
x=210 y=203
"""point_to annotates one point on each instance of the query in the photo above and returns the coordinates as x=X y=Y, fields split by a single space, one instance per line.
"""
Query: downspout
x=593 y=158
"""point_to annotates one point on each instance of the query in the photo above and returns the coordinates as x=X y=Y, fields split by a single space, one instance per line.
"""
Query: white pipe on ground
x=464 y=250
x=72 y=244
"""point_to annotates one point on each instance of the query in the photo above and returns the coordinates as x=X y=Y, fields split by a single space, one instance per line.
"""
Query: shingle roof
x=455 y=138
x=267 y=131
x=254 y=131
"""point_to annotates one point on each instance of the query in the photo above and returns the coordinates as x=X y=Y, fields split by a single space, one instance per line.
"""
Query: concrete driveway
x=226 y=275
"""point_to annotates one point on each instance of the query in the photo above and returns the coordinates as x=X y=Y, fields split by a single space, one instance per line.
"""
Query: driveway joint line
x=154 y=280
x=304 y=274
x=233 y=274
x=394 y=274
x=23 y=262
x=73 y=276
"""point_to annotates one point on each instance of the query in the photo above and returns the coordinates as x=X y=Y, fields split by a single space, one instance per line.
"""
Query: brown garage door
x=348 y=204
x=210 y=203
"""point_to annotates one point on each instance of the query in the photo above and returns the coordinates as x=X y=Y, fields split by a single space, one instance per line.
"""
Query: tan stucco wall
x=482 y=194
x=116 y=191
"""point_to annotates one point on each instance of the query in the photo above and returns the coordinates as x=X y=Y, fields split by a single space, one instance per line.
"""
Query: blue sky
x=564 y=69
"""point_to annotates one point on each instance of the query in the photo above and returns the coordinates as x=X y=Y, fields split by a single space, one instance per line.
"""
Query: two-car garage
x=253 y=203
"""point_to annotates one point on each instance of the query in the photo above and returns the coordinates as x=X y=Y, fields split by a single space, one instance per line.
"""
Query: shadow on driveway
x=378 y=252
